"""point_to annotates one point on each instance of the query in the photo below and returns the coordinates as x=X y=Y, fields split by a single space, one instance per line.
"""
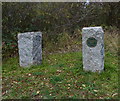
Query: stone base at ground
x=30 y=48
x=93 y=49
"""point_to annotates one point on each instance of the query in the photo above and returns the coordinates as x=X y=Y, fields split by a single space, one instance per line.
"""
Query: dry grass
x=111 y=40
x=67 y=43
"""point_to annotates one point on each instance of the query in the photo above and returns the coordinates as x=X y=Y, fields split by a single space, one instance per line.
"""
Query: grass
x=60 y=76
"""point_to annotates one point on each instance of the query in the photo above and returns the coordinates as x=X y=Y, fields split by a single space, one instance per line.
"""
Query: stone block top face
x=98 y=27
x=29 y=34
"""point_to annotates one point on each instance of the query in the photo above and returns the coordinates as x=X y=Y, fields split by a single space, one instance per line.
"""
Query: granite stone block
x=30 y=48
x=93 y=49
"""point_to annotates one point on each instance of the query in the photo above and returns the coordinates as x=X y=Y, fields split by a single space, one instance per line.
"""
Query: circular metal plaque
x=91 y=42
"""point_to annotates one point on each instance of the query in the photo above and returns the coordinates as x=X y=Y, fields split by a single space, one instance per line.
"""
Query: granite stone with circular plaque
x=93 y=49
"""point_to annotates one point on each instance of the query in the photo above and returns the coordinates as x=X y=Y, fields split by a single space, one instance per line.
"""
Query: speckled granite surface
x=30 y=49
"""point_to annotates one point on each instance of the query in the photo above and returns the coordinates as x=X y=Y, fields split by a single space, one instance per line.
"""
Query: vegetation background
x=60 y=23
x=60 y=75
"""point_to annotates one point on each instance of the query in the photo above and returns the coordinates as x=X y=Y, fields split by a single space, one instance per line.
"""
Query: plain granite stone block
x=30 y=48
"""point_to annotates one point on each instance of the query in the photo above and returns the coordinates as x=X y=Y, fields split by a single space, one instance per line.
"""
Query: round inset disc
x=91 y=42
